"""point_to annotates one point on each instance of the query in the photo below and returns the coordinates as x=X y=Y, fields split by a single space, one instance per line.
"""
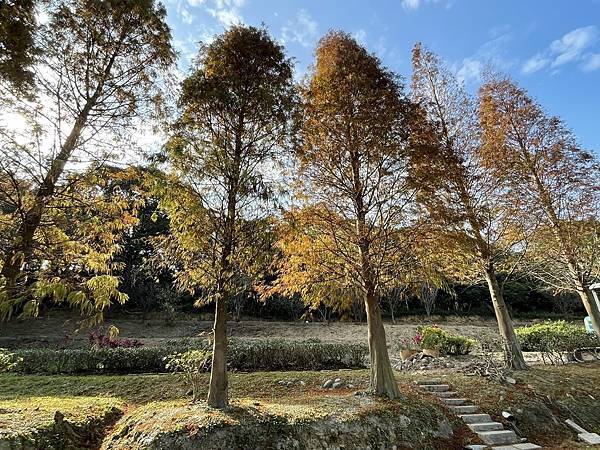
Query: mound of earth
x=330 y=422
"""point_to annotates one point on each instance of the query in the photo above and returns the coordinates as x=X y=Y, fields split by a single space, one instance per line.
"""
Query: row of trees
x=340 y=187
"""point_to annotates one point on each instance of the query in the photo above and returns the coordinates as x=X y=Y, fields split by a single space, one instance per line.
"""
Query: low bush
x=433 y=337
x=101 y=360
x=8 y=360
x=555 y=336
x=191 y=365
x=243 y=356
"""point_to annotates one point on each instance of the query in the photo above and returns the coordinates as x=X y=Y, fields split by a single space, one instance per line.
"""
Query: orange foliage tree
x=552 y=181
x=345 y=239
x=461 y=201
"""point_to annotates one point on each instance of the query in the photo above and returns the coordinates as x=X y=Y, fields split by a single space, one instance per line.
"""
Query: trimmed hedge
x=288 y=355
x=246 y=356
x=555 y=336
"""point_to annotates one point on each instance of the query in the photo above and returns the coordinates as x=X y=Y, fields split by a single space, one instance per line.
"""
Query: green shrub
x=557 y=336
x=248 y=356
x=8 y=360
x=433 y=337
x=292 y=355
x=191 y=365
x=103 y=360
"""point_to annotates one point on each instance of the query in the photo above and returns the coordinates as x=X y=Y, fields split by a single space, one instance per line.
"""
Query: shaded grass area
x=158 y=405
x=140 y=389
x=56 y=422
x=542 y=399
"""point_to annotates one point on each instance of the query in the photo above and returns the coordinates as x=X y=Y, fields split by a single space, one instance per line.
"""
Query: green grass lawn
x=542 y=399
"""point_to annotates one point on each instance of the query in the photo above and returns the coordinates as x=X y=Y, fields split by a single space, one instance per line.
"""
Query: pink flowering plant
x=410 y=344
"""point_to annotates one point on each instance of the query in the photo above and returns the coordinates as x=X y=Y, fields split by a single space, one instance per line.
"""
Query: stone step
x=486 y=426
x=475 y=418
x=429 y=382
x=499 y=437
x=454 y=401
x=446 y=394
x=435 y=387
x=466 y=409
x=524 y=446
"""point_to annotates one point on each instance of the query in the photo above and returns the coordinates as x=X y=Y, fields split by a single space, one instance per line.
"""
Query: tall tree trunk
x=217 y=391
x=512 y=349
x=591 y=307
x=383 y=381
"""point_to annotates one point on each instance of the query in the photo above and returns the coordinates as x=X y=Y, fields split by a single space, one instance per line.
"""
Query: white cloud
x=591 y=63
x=535 y=63
x=411 y=4
x=302 y=29
x=470 y=70
x=572 y=44
x=492 y=53
x=360 y=36
x=569 y=48
x=227 y=12
x=186 y=17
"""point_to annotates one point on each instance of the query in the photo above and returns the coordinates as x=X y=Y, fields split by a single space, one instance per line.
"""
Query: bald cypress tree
x=550 y=180
x=235 y=111
x=352 y=173
x=463 y=202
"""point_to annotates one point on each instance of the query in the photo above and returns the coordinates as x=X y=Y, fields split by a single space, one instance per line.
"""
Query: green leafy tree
x=17 y=47
x=97 y=78
x=235 y=108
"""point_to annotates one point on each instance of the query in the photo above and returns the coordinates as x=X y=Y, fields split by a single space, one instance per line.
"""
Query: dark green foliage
x=17 y=48
x=251 y=356
x=286 y=355
x=103 y=360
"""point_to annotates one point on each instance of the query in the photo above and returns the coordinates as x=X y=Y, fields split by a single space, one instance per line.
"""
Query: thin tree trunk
x=586 y=296
x=591 y=307
x=383 y=381
x=217 y=391
x=17 y=257
x=512 y=349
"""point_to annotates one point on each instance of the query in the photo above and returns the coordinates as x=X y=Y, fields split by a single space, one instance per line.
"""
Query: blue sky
x=551 y=47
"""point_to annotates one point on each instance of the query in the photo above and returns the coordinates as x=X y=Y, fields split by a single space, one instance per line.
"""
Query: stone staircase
x=491 y=433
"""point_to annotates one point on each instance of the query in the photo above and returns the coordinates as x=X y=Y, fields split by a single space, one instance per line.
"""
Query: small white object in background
x=582 y=434
x=588 y=324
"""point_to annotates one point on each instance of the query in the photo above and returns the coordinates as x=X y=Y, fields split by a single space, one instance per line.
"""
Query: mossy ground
x=542 y=399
